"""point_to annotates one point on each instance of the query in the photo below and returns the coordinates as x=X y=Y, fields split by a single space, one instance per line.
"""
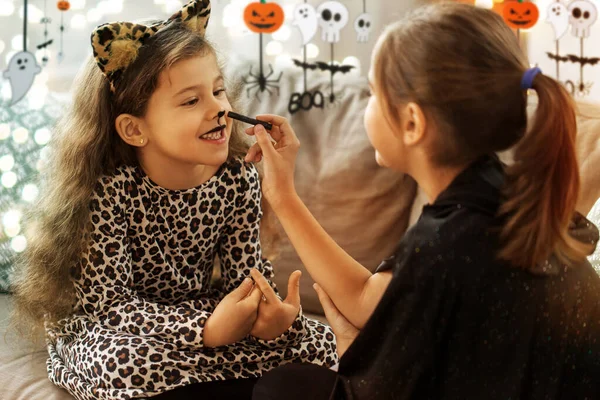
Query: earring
x=141 y=141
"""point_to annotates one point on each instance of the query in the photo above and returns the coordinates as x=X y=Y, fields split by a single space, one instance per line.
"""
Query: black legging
x=289 y=382
x=296 y=382
x=233 y=389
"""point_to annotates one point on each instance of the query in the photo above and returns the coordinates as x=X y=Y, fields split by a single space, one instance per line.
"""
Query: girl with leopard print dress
x=147 y=186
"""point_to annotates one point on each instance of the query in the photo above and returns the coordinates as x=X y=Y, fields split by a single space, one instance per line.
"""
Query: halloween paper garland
x=331 y=17
x=580 y=15
x=584 y=14
x=520 y=15
x=22 y=68
x=363 y=24
x=262 y=17
x=305 y=19
x=333 y=69
x=558 y=17
x=63 y=6
x=45 y=20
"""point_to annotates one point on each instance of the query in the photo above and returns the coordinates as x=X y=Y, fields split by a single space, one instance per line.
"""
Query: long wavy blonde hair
x=85 y=146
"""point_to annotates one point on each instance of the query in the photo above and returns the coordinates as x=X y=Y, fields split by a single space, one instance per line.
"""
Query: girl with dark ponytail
x=489 y=295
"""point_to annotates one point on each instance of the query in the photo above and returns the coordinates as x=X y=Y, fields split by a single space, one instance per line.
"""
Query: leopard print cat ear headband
x=116 y=45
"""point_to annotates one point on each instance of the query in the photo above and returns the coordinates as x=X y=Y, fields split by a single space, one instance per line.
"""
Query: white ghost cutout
x=583 y=15
x=21 y=71
x=558 y=16
x=305 y=18
x=362 y=26
x=333 y=17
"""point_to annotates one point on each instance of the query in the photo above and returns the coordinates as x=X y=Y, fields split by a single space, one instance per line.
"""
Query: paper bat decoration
x=574 y=59
x=333 y=68
x=301 y=64
x=44 y=45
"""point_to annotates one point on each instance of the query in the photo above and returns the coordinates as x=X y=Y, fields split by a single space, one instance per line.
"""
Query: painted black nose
x=221 y=114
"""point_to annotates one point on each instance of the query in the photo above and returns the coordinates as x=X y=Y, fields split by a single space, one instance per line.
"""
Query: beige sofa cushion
x=364 y=207
x=588 y=153
x=23 y=365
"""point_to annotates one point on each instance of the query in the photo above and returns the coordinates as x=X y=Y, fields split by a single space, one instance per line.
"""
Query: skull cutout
x=583 y=15
x=362 y=26
x=333 y=17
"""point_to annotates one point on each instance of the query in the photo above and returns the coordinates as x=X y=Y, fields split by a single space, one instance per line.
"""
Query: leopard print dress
x=144 y=290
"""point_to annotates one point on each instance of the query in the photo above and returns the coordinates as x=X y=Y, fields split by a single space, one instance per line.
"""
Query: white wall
x=541 y=40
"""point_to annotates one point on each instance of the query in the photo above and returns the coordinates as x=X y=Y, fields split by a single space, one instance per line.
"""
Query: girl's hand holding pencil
x=280 y=157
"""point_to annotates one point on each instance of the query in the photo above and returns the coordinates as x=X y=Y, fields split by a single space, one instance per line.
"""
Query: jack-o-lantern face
x=520 y=15
x=263 y=17
x=63 y=5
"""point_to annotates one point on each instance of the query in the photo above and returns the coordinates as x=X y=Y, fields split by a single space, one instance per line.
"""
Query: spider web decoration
x=23 y=136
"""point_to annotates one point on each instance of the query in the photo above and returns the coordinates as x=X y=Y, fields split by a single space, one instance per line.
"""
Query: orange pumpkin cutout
x=520 y=15
x=63 y=5
x=263 y=17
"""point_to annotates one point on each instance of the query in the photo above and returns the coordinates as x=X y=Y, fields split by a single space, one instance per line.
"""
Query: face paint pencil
x=268 y=126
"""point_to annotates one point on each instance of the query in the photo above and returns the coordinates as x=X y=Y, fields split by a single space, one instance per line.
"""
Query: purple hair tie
x=528 y=77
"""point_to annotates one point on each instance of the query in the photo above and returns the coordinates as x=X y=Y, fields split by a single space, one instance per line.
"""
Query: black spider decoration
x=261 y=82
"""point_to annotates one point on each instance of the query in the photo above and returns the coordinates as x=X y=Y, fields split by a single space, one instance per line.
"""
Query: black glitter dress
x=456 y=323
